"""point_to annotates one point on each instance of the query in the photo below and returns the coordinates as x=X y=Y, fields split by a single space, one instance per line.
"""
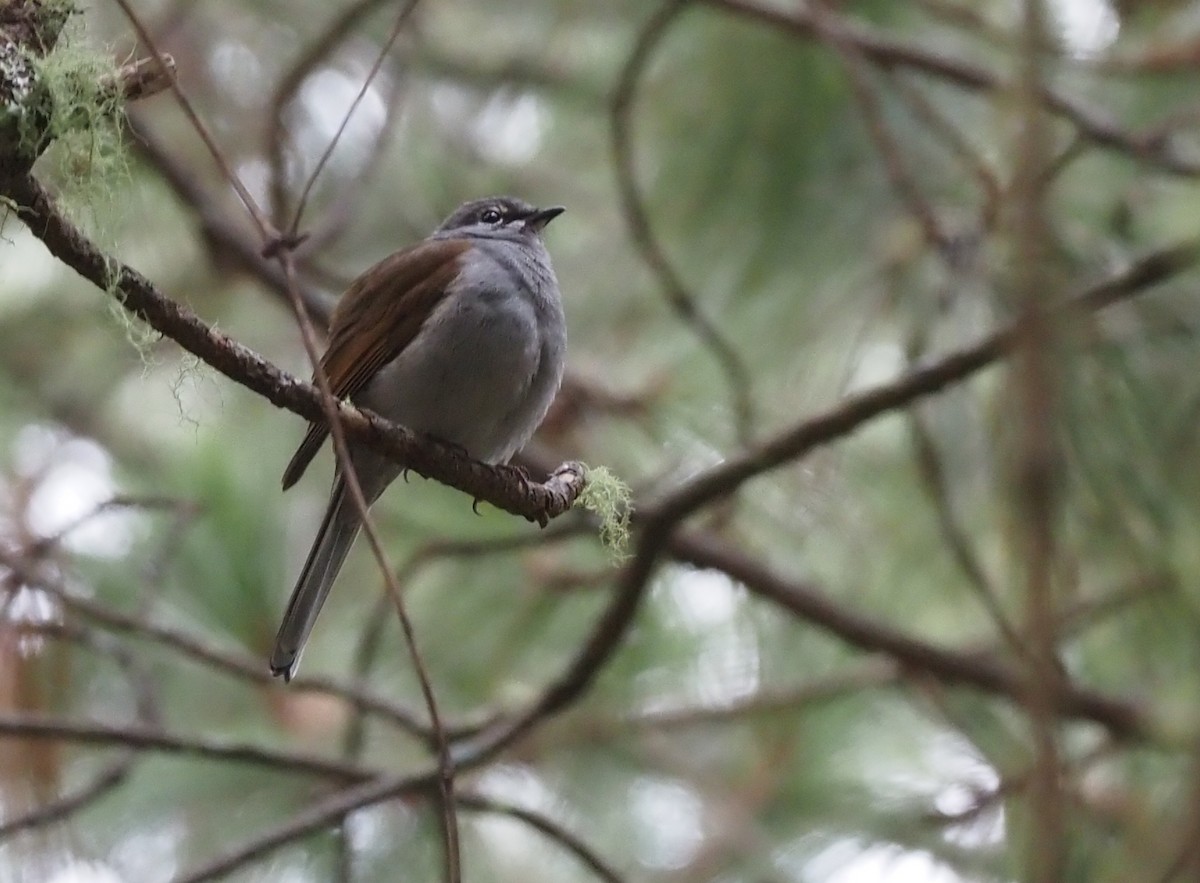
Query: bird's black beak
x=542 y=217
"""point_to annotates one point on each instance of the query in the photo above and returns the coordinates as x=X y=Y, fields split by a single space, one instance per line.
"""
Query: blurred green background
x=727 y=740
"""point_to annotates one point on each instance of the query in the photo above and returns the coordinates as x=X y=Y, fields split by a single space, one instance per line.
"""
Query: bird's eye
x=491 y=216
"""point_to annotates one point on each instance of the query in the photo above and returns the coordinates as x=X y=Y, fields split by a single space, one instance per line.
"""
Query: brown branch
x=547 y=826
x=401 y=19
x=1035 y=472
x=657 y=521
x=1121 y=717
x=227 y=242
x=191 y=647
x=637 y=220
x=109 y=778
x=142 y=78
x=37 y=726
x=288 y=87
x=889 y=53
x=849 y=415
x=503 y=487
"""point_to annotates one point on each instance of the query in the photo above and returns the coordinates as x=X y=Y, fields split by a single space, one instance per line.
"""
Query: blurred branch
x=890 y=53
x=202 y=651
x=1182 y=863
x=657 y=521
x=637 y=220
x=227 y=242
x=142 y=78
x=503 y=487
x=956 y=142
x=1121 y=717
x=1036 y=471
x=401 y=19
x=110 y=777
x=37 y=726
x=317 y=816
x=288 y=87
x=849 y=415
x=886 y=144
x=547 y=826
x=932 y=473
x=521 y=73
x=169 y=504
x=116 y=772
x=871 y=674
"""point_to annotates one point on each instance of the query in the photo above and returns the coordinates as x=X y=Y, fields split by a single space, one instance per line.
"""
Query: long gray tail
x=338 y=529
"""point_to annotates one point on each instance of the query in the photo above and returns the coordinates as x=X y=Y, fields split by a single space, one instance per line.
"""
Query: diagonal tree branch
x=37 y=726
x=890 y=53
x=853 y=412
x=658 y=521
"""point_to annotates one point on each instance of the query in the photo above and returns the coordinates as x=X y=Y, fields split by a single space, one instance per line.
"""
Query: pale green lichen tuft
x=141 y=336
x=609 y=499
x=87 y=151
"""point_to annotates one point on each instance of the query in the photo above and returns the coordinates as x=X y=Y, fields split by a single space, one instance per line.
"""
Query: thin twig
x=405 y=12
x=166 y=67
x=110 y=777
x=679 y=298
x=288 y=86
x=447 y=816
x=202 y=651
x=886 y=144
x=960 y=148
x=228 y=241
x=553 y=830
x=855 y=410
x=933 y=478
x=37 y=726
x=889 y=53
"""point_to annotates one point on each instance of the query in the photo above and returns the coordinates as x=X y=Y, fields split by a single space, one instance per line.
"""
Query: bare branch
x=889 y=53
x=847 y=416
x=36 y=726
x=1124 y=718
x=679 y=298
x=142 y=78
x=546 y=825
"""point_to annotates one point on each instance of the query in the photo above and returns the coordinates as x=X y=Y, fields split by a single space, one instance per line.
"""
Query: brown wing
x=378 y=316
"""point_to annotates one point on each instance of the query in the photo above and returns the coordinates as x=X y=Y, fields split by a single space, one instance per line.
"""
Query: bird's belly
x=465 y=378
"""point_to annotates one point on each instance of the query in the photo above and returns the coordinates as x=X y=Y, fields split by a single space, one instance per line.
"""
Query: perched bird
x=460 y=336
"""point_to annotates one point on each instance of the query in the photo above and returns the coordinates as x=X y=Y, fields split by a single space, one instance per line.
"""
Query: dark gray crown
x=473 y=213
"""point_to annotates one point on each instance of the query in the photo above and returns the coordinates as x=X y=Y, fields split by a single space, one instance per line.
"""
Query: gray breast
x=486 y=365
